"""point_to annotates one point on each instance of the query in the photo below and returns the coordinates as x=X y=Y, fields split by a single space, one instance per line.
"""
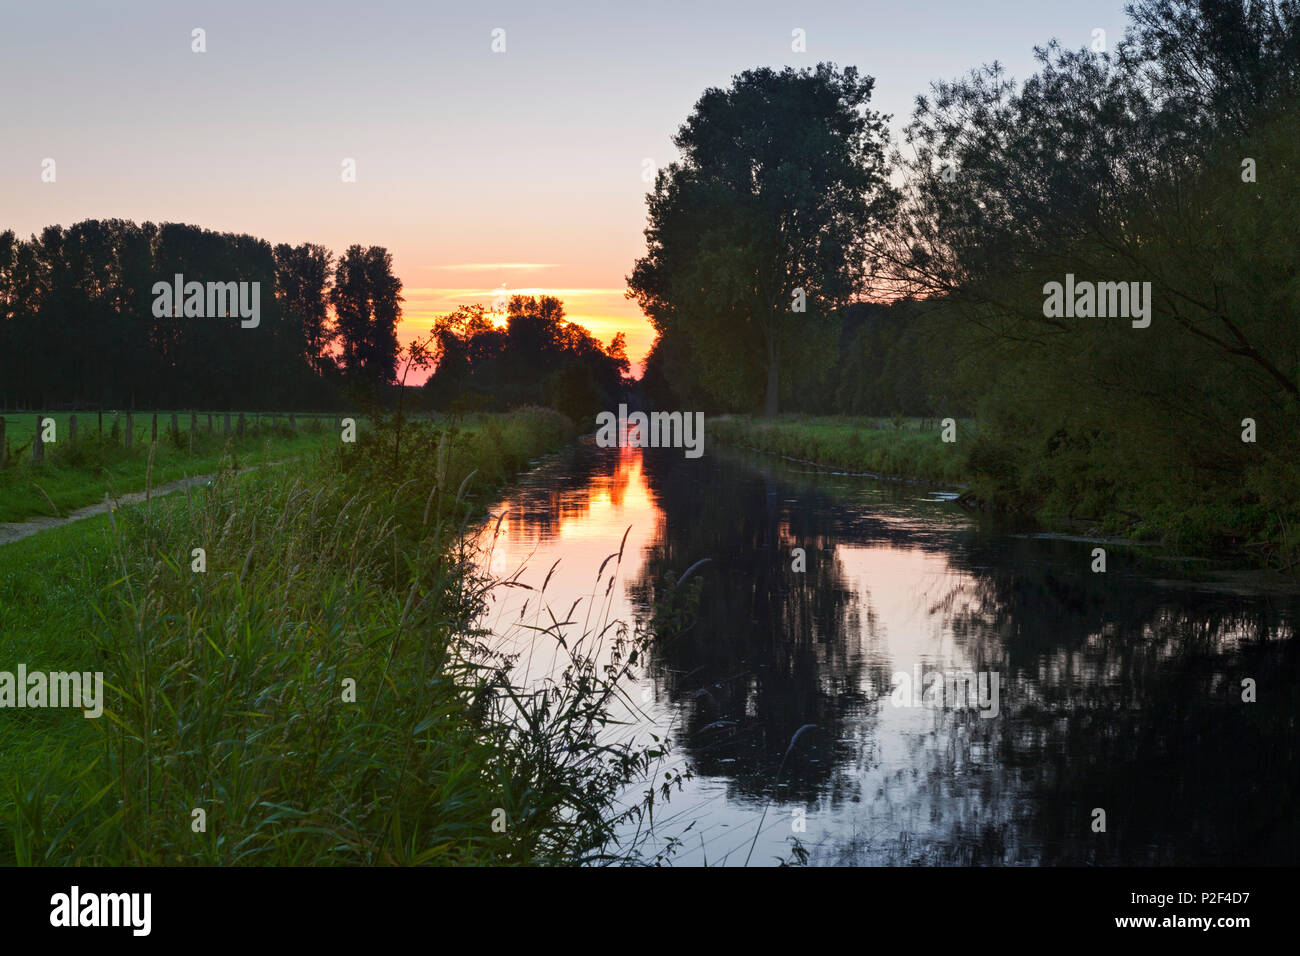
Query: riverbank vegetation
x=320 y=692
x=1167 y=166
x=888 y=448
x=1158 y=174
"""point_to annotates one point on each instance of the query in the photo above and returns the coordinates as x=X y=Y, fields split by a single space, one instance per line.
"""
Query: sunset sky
x=475 y=169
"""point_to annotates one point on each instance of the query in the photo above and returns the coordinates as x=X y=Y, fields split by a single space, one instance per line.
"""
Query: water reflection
x=1115 y=692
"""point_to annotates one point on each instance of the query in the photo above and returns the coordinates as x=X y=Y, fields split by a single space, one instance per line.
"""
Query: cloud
x=493 y=266
x=481 y=293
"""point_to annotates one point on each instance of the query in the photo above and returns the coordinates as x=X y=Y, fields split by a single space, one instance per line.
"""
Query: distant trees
x=756 y=237
x=212 y=360
x=539 y=357
x=77 y=325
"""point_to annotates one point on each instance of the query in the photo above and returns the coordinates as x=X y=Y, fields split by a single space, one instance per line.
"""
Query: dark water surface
x=1120 y=690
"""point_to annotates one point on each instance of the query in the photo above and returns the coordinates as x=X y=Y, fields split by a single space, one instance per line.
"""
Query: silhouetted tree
x=366 y=297
x=538 y=358
x=782 y=176
x=77 y=323
x=303 y=284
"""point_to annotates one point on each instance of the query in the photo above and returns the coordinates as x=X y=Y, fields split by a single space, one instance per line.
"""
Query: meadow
x=81 y=470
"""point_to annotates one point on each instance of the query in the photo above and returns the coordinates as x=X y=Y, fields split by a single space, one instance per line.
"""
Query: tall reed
x=323 y=691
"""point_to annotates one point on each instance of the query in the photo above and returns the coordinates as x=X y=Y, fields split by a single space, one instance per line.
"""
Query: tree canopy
x=538 y=357
x=78 y=325
x=757 y=234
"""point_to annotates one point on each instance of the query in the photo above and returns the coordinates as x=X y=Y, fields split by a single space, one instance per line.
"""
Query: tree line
x=537 y=358
x=1170 y=159
x=79 y=326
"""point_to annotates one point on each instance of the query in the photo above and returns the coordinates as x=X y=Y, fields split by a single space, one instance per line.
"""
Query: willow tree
x=1133 y=167
x=756 y=235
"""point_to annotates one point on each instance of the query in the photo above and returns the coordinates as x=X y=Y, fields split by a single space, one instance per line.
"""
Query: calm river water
x=1119 y=691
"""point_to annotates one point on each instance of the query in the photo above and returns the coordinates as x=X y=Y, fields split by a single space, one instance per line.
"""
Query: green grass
x=48 y=585
x=79 y=472
x=226 y=688
x=894 y=448
x=1257 y=532
x=20 y=427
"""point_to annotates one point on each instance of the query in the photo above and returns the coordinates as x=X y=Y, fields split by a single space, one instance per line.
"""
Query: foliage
x=873 y=446
x=78 y=329
x=1128 y=167
x=538 y=358
x=780 y=179
x=227 y=689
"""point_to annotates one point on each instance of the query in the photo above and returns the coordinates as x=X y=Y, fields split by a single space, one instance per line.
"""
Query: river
x=1114 y=725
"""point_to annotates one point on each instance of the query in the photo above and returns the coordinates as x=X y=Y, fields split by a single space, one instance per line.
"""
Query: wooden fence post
x=129 y=434
x=38 y=446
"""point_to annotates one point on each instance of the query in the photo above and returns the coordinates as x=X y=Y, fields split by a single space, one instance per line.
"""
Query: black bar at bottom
x=330 y=906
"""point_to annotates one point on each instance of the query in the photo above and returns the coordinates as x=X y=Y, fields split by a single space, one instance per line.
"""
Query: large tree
x=366 y=298
x=756 y=235
x=1136 y=168
x=302 y=279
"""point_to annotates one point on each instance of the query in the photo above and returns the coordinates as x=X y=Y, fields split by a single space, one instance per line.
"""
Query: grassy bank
x=1180 y=516
x=892 y=448
x=318 y=693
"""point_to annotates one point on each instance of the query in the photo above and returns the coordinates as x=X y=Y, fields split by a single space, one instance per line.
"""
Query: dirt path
x=17 y=530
